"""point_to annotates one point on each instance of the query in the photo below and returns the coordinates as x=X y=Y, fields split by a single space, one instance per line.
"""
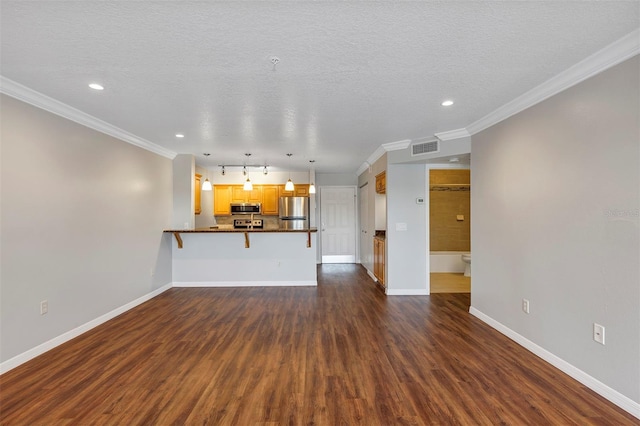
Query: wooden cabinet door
x=238 y=194
x=221 y=200
x=381 y=183
x=378 y=259
x=255 y=195
x=283 y=193
x=381 y=261
x=301 y=190
x=197 y=193
x=270 y=199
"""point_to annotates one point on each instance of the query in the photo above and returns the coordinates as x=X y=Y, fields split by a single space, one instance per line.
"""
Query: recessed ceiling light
x=96 y=86
x=179 y=135
x=447 y=103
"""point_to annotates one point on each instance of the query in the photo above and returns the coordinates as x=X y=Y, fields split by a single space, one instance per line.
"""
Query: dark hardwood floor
x=339 y=354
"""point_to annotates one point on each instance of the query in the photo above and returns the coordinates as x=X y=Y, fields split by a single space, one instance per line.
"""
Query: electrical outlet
x=44 y=307
x=525 y=306
x=598 y=333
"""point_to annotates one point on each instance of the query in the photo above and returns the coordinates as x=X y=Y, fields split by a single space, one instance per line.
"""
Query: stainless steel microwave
x=246 y=208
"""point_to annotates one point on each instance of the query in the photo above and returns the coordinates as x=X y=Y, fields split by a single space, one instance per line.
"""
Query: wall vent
x=425 y=148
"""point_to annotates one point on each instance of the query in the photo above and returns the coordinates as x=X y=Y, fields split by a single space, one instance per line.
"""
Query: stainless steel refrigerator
x=294 y=212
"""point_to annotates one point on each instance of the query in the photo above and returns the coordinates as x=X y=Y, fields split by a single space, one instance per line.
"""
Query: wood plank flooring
x=339 y=354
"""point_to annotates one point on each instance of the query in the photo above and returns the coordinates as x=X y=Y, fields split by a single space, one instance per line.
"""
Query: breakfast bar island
x=228 y=257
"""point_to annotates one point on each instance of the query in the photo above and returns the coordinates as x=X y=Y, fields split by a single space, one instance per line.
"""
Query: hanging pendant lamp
x=312 y=187
x=206 y=185
x=289 y=185
x=248 y=186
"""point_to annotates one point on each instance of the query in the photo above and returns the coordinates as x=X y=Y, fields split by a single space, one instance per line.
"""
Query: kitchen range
x=248 y=224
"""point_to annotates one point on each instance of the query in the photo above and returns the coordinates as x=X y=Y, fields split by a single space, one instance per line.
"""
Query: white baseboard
x=622 y=401
x=373 y=277
x=245 y=284
x=65 y=337
x=406 y=292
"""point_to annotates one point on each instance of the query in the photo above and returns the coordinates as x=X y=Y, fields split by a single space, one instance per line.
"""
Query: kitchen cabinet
x=222 y=200
x=299 y=190
x=197 y=189
x=378 y=259
x=267 y=195
x=381 y=183
x=270 y=195
x=239 y=195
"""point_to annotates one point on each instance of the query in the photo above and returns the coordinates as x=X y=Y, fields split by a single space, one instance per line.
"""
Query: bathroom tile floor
x=450 y=283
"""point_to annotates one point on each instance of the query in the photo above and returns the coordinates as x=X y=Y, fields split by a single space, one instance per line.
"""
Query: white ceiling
x=351 y=76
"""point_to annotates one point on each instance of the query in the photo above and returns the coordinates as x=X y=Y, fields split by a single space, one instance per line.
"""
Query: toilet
x=466 y=258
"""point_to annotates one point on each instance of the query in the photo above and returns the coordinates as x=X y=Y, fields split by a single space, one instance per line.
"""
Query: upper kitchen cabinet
x=300 y=190
x=239 y=195
x=197 y=189
x=222 y=200
x=270 y=195
x=381 y=183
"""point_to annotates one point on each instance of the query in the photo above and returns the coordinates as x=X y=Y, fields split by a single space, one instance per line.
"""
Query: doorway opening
x=449 y=230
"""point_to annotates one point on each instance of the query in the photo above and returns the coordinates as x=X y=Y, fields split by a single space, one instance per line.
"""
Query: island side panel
x=221 y=260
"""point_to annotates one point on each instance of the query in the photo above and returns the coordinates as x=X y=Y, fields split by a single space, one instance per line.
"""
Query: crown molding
x=452 y=134
x=37 y=99
x=611 y=55
x=396 y=146
x=363 y=167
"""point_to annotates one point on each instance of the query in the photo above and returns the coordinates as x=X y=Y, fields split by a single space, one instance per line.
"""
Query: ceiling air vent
x=425 y=148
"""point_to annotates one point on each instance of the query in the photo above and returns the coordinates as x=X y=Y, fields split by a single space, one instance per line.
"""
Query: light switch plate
x=401 y=226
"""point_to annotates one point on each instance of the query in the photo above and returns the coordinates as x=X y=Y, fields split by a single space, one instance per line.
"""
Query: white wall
x=555 y=199
x=82 y=220
x=221 y=260
x=336 y=179
x=184 y=169
x=206 y=218
x=407 y=250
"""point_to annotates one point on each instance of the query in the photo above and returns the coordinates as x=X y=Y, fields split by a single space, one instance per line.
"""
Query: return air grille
x=425 y=148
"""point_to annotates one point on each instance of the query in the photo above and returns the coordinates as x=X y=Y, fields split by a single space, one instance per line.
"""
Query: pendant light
x=206 y=185
x=248 y=186
x=289 y=185
x=312 y=187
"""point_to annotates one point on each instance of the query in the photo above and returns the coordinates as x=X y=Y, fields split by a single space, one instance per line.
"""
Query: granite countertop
x=231 y=229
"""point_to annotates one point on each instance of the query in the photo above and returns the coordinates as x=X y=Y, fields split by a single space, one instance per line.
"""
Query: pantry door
x=338 y=224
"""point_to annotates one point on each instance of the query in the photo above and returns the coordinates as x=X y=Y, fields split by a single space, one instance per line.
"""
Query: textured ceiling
x=351 y=76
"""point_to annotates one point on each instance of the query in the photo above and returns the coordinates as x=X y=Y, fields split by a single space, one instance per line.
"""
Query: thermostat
x=419 y=200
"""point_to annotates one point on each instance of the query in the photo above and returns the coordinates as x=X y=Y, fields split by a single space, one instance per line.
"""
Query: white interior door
x=338 y=224
x=366 y=241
